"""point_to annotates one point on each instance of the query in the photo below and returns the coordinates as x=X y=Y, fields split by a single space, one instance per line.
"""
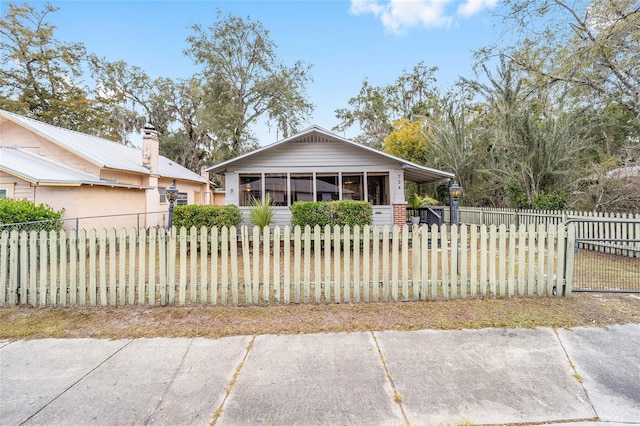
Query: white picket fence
x=282 y=265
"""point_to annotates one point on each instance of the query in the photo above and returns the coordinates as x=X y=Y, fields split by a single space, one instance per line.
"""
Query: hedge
x=207 y=216
x=341 y=213
x=21 y=211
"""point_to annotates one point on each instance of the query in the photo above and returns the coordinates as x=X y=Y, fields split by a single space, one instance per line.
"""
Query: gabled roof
x=101 y=152
x=413 y=172
x=41 y=171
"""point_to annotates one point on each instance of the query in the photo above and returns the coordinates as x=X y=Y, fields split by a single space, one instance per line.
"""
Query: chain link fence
x=127 y=221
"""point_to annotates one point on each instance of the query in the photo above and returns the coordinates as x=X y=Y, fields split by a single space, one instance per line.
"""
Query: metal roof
x=39 y=170
x=412 y=172
x=102 y=152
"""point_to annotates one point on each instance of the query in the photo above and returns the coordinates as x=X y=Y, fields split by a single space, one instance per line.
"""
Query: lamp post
x=455 y=191
x=172 y=196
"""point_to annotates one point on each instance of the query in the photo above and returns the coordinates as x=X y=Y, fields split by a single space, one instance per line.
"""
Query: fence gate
x=607 y=257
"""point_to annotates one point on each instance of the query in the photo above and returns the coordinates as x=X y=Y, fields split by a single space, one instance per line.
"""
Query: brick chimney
x=150 y=149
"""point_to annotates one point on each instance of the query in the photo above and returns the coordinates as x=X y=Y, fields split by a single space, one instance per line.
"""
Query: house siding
x=21 y=189
x=305 y=157
x=123 y=177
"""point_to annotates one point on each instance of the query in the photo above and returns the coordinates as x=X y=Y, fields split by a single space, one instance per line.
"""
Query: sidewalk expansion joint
x=396 y=396
x=77 y=381
x=232 y=382
x=173 y=378
x=576 y=375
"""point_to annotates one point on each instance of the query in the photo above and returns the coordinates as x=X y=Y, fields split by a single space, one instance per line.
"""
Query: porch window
x=250 y=187
x=352 y=187
x=378 y=188
x=276 y=188
x=301 y=187
x=327 y=188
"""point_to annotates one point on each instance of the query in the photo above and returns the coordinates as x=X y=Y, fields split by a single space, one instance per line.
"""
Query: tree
x=458 y=143
x=371 y=111
x=243 y=81
x=591 y=46
x=408 y=140
x=40 y=76
x=609 y=188
x=534 y=147
x=375 y=109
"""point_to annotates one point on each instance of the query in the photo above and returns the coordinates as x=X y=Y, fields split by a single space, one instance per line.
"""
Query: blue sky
x=344 y=41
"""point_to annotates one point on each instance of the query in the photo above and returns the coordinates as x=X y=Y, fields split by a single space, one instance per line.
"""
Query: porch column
x=400 y=214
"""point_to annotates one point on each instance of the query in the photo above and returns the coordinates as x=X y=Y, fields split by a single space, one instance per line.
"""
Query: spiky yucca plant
x=261 y=213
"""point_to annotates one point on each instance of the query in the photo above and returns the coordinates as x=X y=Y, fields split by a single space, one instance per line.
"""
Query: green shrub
x=20 y=211
x=544 y=201
x=516 y=197
x=261 y=213
x=207 y=216
x=347 y=212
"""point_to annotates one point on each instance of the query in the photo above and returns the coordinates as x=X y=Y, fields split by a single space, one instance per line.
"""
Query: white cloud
x=399 y=15
x=473 y=7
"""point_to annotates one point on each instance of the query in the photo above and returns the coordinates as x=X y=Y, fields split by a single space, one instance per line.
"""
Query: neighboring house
x=318 y=165
x=91 y=176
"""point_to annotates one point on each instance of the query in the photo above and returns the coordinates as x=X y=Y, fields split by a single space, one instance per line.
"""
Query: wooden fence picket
x=306 y=276
x=346 y=249
x=254 y=289
x=502 y=263
x=405 y=262
x=453 y=285
x=182 y=283
x=204 y=271
x=193 y=263
x=214 y=265
x=317 y=251
x=375 y=264
x=33 y=264
x=266 y=270
x=232 y=243
x=297 y=256
x=162 y=266
x=435 y=240
x=224 y=257
x=111 y=290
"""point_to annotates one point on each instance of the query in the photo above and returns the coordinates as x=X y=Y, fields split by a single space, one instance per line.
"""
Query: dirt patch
x=581 y=309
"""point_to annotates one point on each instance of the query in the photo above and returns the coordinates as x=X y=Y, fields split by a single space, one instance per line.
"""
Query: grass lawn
x=581 y=309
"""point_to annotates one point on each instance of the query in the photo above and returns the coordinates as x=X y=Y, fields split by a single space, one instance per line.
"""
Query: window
x=163 y=194
x=250 y=187
x=327 y=188
x=378 y=189
x=182 y=199
x=301 y=187
x=352 y=188
x=276 y=188
x=7 y=191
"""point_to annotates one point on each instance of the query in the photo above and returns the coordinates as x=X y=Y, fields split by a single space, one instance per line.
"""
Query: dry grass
x=219 y=321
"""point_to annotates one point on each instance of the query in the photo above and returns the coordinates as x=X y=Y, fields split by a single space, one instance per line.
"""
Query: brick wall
x=399 y=214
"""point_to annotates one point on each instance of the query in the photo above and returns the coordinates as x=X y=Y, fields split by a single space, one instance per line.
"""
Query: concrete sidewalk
x=490 y=376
